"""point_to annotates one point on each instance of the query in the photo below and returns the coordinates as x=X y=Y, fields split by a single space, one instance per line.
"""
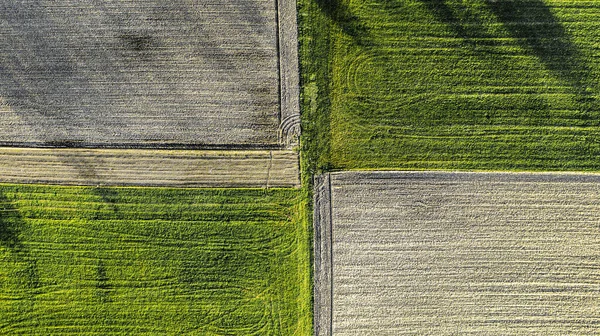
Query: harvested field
x=452 y=84
x=152 y=261
x=146 y=167
x=435 y=253
x=146 y=73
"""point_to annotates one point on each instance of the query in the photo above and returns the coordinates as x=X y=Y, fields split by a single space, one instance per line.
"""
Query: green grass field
x=116 y=261
x=451 y=84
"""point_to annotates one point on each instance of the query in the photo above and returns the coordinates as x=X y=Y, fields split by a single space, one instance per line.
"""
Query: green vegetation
x=109 y=261
x=451 y=84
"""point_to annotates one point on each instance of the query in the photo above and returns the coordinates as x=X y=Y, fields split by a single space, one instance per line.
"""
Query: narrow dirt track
x=289 y=76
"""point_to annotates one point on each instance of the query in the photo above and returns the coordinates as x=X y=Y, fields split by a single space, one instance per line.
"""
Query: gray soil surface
x=139 y=72
x=322 y=253
x=434 y=253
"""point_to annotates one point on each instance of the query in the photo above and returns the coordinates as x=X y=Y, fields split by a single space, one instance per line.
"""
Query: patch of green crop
x=153 y=261
x=451 y=84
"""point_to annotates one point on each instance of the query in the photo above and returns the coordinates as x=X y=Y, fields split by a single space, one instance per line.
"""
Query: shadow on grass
x=110 y=197
x=444 y=14
x=536 y=29
x=467 y=26
x=11 y=224
x=87 y=169
x=103 y=286
x=340 y=14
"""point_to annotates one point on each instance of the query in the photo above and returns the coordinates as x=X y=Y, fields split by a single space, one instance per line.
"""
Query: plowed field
x=139 y=73
x=432 y=253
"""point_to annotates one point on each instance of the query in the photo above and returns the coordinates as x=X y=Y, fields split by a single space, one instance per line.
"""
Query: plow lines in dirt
x=139 y=72
x=419 y=253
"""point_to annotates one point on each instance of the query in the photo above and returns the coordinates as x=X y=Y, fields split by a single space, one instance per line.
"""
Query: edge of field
x=315 y=72
x=464 y=170
x=315 y=45
x=323 y=257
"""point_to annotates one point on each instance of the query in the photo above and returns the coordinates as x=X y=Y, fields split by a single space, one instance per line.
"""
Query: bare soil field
x=436 y=253
x=146 y=167
x=147 y=73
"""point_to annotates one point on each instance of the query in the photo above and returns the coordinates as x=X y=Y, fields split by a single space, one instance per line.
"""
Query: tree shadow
x=468 y=28
x=11 y=224
x=103 y=286
x=443 y=13
x=88 y=170
x=110 y=197
x=340 y=14
x=536 y=29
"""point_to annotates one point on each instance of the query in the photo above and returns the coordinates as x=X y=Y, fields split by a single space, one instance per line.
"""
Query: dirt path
x=288 y=71
x=323 y=265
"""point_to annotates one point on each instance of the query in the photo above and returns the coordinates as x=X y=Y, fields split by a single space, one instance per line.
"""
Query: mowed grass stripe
x=143 y=167
x=434 y=84
x=118 y=261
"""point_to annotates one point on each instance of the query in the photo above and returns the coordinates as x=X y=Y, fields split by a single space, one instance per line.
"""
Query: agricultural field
x=440 y=253
x=131 y=73
x=150 y=167
x=121 y=261
x=149 y=175
x=451 y=84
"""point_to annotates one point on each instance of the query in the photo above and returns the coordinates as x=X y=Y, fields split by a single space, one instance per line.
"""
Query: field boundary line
x=145 y=167
x=149 y=145
x=323 y=257
x=489 y=175
x=289 y=78
x=269 y=167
